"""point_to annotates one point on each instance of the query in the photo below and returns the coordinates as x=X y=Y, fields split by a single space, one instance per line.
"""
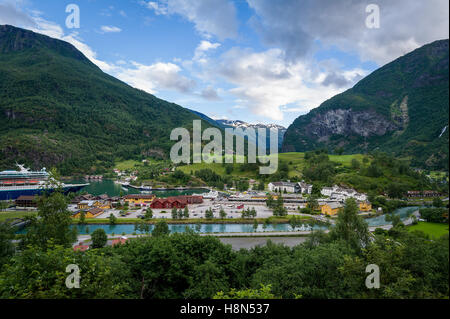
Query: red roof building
x=80 y=247
x=119 y=241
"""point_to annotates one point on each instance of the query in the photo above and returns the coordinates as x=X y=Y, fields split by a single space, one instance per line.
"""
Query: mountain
x=401 y=108
x=243 y=125
x=59 y=109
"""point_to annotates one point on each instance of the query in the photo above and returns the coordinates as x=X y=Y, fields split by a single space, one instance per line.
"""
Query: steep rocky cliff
x=401 y=108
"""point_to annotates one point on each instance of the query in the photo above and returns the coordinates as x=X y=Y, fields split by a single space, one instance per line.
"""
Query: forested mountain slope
x=58 y=108
x=401 y=108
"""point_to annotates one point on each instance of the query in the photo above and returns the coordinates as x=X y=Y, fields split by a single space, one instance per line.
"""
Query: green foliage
x=262 y=293
x=161 y=229
x=437 y=202
x=209 y=214
x=434 y=215
x=99 y=238
x=102 y=276
x=53 y=223
x=148 y=214
x=6 y=246
x=82 y=220
x=350 y=227
x=112 y=219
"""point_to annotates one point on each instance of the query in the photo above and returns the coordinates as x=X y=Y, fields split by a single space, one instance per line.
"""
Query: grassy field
x=295 y=160
x=437 y=175
x=9 y=214
x=432 y=229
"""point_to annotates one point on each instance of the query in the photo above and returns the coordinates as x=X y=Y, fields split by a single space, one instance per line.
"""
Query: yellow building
x=87 y=204
x=330 y=208
x=91 y=213
x=365 y=207
x=139 y=199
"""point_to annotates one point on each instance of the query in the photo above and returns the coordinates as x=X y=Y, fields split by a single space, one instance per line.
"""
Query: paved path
x=248 y=242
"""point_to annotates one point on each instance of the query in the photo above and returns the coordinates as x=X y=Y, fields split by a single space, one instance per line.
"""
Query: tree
x=99 y=238
x=112 y=219
x=242 y=185
x=261 y=186
x=103 y=276
x=82 y=220
x=174 y=213
x=261 y=293
x=142 y=227
x=161 y=229
x=396 y=190
x=437 y=202
x=228 y=169
x=395 y=219
x=3 y=205
x=351 y=227
x=255 y=225
x=295 y=222
x=53 y=223
x=265 y=224
x=269 y=201
x=339 y=150
x=209 y=214
x=6 y=246
x=313 y=204
x=148 y=214
x=186 y=212
x=222 y=213
x=355 y=164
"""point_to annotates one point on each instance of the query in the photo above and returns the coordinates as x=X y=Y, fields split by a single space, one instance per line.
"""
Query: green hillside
x=59 y=109
x=401 y=108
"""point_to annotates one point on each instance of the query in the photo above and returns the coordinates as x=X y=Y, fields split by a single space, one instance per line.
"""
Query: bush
x=434 y=215
x=99 y=238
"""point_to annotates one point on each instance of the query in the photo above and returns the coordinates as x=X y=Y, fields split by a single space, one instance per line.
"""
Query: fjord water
x=107 y=186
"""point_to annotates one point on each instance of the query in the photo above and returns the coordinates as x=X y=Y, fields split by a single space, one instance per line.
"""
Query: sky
x=260 y=61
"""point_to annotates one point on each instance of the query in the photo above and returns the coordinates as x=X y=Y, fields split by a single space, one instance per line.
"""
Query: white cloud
x=110 y=29
x=202 y=48
x=265 y=83
x=210 y=17
x=156 y=76
x=296 y=26
x=209 y=93
x=159 y=10
x=10 y=14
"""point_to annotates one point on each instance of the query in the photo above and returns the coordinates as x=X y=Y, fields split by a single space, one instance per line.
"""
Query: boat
x=14 y=184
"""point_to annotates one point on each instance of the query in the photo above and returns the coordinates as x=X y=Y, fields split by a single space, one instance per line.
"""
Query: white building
x=341 y=194
x=283 y=187
x=304 y=188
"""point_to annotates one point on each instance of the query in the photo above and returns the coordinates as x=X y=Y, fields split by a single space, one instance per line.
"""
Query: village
x=221 y=205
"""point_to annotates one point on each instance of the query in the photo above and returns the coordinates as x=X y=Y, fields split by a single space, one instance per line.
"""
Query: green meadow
x=434 y=230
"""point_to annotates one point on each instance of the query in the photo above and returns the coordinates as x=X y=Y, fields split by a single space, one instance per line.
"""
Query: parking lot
x=198 y=210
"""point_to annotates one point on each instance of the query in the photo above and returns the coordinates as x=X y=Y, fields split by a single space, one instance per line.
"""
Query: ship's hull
x=12 y=194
